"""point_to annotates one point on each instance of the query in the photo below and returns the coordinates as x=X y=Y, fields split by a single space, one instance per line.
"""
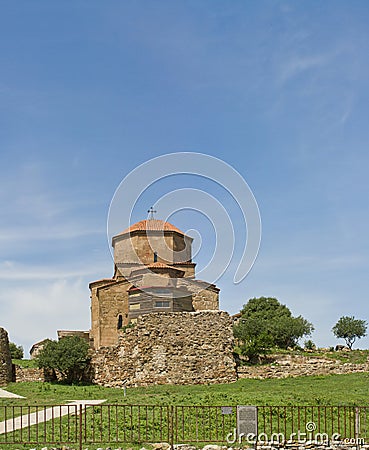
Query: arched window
x=155 y=257
x=120 y=322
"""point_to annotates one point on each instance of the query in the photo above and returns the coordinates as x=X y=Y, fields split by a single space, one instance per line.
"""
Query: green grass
x=350 y=389
x=25 y=363
x=354 y=356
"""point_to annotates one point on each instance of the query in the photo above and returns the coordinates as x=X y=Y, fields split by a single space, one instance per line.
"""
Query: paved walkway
x=44 y=415
x=6 y=394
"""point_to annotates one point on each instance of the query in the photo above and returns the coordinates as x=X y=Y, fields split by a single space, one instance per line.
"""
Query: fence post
x=80 y=427
x=357 y=426
x=171 y=426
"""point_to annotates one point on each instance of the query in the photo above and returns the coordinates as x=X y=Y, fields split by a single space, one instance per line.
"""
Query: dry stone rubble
x=170 y=348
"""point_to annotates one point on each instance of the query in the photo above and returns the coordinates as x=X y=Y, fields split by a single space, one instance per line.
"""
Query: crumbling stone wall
x=206 y=299
x=297 y=366
x=5 y=359
x=170 y=348
x=29 y=374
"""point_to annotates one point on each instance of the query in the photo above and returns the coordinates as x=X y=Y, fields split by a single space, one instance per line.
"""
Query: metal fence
x=80 y=425
x=332 y=423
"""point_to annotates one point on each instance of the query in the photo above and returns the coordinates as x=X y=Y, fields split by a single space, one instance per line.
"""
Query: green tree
x=350 y=329
x=265 y=323
x=252 y=346
x=69 y=356
x=16 y=351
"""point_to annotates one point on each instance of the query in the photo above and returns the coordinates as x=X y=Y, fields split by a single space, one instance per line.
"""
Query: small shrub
x=309 y=345
x=127 y=327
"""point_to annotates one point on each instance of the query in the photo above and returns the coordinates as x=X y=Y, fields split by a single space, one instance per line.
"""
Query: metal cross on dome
x=151 y=211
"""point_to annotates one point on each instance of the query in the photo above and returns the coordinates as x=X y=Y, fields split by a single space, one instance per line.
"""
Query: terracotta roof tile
x=184 y=263
x=156 y=265
x=152 y=225
x=159 y=265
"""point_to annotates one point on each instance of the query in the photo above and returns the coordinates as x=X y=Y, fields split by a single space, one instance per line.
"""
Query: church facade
x=153 y=272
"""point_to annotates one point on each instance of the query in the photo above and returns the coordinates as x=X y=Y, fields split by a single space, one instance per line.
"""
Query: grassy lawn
x=350 y=389
x=25 y=363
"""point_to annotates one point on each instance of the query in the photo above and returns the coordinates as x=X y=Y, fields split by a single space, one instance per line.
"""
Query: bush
x=254 y=347
x=309 y=345
x=69 y=356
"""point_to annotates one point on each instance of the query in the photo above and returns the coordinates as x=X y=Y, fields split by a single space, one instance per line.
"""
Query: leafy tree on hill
x=350 y=329
x=16 y=351
x=266 y=323
x=252 y=347
x=69 y=356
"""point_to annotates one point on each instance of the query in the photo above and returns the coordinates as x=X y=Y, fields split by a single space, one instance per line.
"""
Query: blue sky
x=89 y=90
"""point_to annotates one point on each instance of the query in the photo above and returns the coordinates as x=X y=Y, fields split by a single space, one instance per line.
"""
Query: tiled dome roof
x=152 y=225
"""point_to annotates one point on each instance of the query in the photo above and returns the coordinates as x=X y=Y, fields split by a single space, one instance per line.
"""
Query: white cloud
x=298 y=64
x=11 y=270
x=31 y=313
x=67 y=231
x=315 y=262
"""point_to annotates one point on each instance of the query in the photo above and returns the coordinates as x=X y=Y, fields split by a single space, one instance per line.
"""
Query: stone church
x=153 y=272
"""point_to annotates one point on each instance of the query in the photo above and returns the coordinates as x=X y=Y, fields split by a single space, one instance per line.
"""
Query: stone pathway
x=6 y=394
x=44 y=415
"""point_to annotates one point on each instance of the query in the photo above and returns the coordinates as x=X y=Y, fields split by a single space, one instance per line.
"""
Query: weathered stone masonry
x=298 y=366
x=5 y=359
x=170 y=348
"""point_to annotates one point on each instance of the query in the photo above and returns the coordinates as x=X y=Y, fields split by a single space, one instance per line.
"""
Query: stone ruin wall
x=206 y=299
x=170 y=348
x=297 y=366
x=27 y=374
x=5 y=359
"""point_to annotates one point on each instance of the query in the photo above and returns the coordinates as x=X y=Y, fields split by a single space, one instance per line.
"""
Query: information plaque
x=247 y=420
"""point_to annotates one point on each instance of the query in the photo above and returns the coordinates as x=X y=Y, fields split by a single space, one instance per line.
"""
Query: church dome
x=152 y=225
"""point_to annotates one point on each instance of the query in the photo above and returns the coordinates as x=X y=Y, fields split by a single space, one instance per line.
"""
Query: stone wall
x=5 y=359
x=296 y=366
x=170 y=348
x=29 y=374
x=109 y=299
x=205 y=296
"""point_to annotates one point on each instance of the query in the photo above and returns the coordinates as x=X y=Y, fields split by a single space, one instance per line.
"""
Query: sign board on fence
x=247 y=420
x=226 y=409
